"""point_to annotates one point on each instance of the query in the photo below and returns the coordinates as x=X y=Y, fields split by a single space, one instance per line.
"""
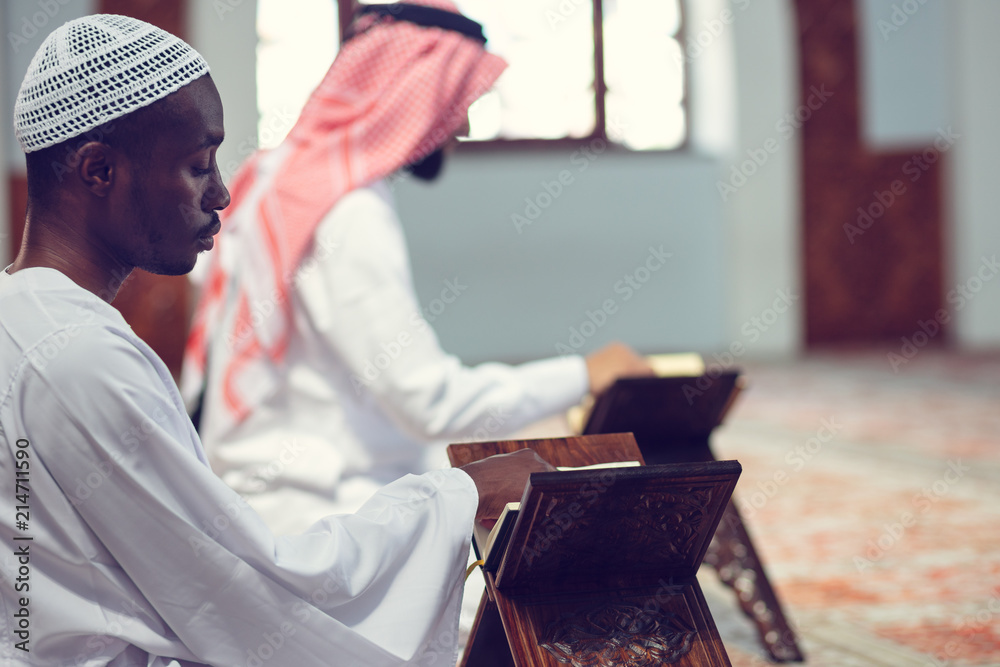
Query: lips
x=213 y=228
x=205 y=238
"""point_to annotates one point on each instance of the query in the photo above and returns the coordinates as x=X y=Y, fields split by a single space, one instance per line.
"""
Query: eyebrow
x=211 y=140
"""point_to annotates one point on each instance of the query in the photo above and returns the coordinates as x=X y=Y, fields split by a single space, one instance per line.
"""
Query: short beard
x=429 y=167
x=151 y=257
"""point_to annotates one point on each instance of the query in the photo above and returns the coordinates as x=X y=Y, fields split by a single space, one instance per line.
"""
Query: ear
x=97 y=167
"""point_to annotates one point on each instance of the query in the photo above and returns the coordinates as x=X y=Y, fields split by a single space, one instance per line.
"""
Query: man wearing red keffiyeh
x=321 y=379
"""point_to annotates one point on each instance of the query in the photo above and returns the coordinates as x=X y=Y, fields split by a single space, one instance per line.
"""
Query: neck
x=50 y=242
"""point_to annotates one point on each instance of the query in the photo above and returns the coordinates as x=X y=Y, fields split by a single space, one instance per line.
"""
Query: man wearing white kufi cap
x=120 y=545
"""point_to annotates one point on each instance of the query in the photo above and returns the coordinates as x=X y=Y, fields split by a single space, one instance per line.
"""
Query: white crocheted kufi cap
x=96 y=69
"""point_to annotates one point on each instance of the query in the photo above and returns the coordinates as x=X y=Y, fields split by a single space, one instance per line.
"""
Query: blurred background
x=802 y=188
x=812 y=175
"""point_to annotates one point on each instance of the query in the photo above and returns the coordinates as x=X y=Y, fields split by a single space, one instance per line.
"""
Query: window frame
x=346 y=9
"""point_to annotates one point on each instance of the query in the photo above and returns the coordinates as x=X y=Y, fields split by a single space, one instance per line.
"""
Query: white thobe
x=365 y=386
x=132 y=552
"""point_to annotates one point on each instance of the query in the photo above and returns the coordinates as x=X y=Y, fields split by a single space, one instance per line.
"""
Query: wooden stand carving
x=672 y=419
x=601 y=565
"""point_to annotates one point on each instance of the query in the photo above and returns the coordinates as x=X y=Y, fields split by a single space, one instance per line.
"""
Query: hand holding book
x=611 y=362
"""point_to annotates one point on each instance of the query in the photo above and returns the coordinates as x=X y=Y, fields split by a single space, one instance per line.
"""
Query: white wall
x=763 y=246
x=731 y=258
x=974 y=175
x=225 y=33
x=905 y=59
x=929 y=70
x=527 y=288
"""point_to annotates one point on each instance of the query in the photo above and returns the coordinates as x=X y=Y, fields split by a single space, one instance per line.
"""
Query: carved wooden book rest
x=672 y=419
x=600 y=567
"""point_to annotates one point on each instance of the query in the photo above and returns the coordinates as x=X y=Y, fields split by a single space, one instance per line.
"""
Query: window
x=296 y=42
x=625 y=81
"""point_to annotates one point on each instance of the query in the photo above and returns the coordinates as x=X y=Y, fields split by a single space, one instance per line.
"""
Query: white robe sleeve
x=362 y=302
x=381 y=587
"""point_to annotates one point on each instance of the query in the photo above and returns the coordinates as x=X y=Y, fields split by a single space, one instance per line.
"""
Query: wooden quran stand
x=672 y=419
x=600 y=569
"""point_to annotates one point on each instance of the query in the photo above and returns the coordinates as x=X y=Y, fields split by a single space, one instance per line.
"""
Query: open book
x=685 y=364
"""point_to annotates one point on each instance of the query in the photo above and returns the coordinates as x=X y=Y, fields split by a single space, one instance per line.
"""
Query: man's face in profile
x=170 y=199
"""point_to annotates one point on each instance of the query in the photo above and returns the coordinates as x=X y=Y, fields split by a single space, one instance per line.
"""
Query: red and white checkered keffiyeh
x=394 y=94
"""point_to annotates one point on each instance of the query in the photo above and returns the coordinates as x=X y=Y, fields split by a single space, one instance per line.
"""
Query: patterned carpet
x=873 y=497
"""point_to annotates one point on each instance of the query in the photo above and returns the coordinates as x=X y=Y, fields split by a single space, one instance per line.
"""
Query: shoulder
x=38 y=300
x=71 y=368
x=57 y=330
x=42 y=312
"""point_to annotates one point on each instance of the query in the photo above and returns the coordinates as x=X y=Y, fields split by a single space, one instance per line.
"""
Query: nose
x=224 y=199
x=217 y=195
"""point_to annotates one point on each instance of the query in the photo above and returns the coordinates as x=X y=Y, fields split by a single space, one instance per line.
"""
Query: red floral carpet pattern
x=873 y=497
